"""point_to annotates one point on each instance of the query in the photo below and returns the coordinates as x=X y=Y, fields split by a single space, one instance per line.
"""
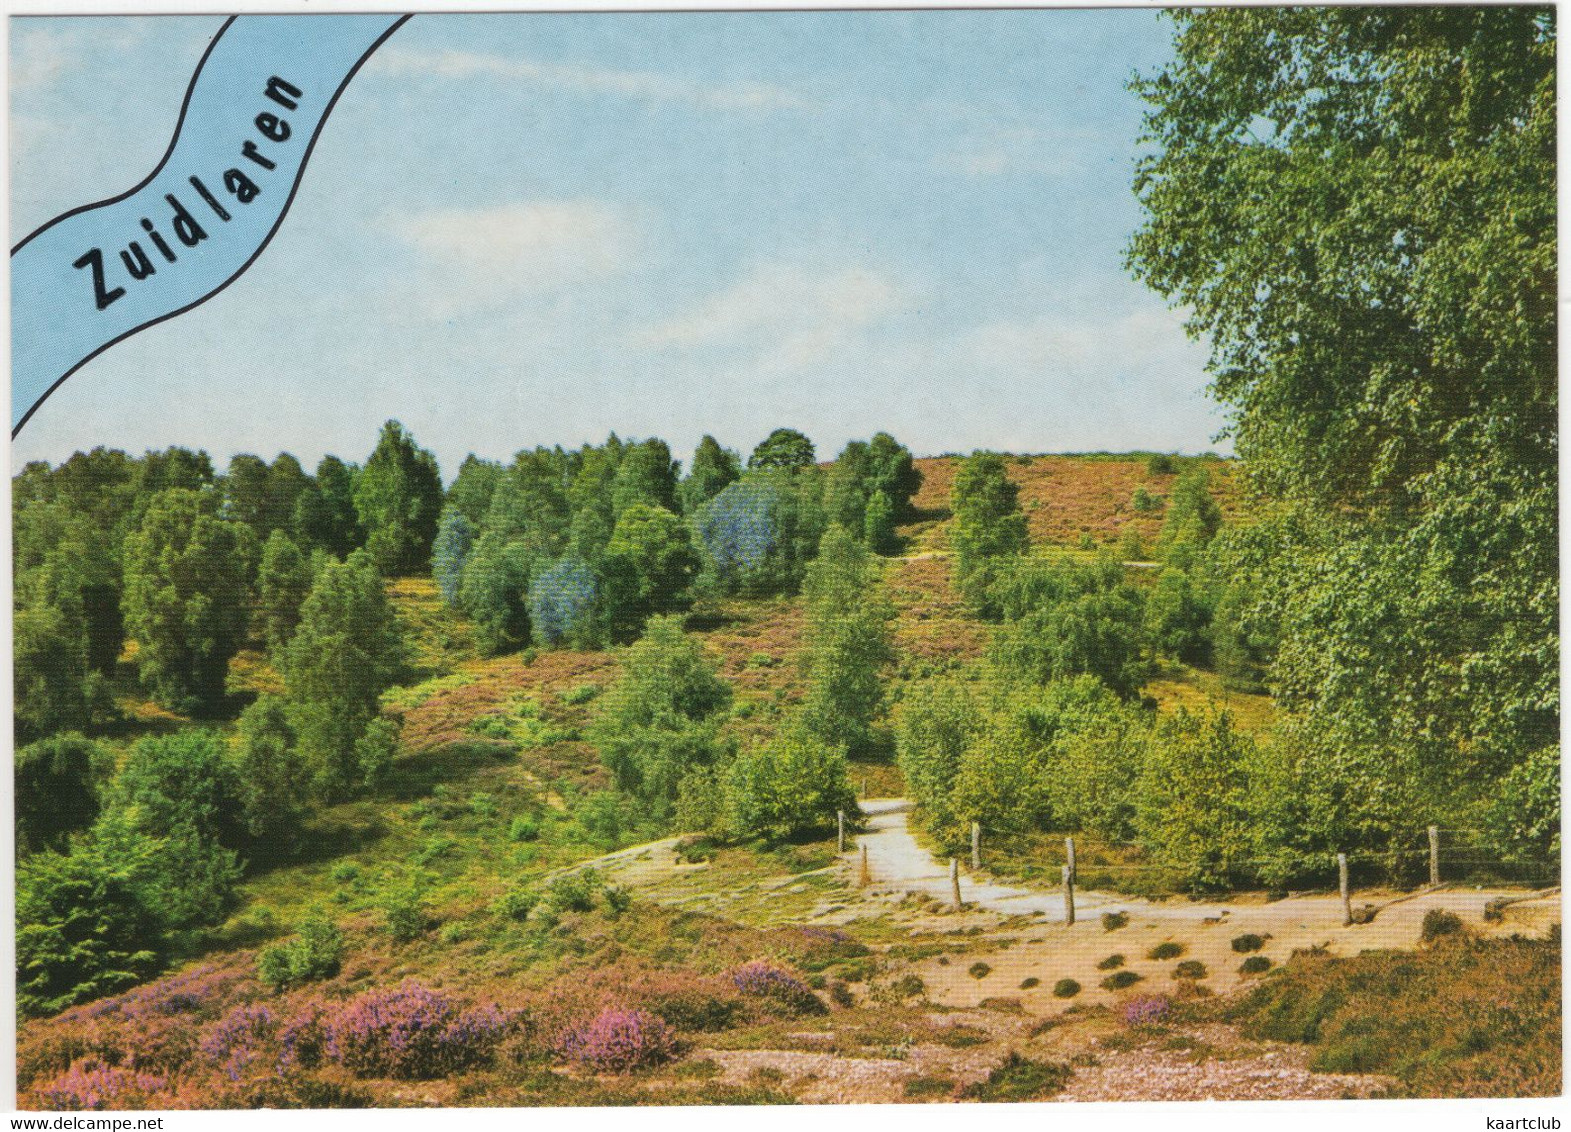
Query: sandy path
x=898 y=864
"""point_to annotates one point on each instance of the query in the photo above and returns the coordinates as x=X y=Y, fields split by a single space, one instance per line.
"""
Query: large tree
x=1358 y=207
x=347 y=650
x=398 y=498
x=187 y=582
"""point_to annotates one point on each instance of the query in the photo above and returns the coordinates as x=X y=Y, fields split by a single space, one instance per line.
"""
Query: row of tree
x=583 y=547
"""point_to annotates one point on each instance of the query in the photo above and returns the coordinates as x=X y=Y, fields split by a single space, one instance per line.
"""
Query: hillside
x=487 y=883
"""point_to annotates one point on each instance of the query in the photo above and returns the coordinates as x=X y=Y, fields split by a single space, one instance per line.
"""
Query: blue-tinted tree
x=454 y=538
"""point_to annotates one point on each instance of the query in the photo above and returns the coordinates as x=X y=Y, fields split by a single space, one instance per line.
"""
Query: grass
x=1465 y=1017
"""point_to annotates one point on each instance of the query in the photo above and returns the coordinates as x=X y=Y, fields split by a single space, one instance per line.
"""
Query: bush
x=575 y=892
x=1111 y=963
x=1144 y=1010
x=1190 y=969
x=979 y=970
x=1030 y=983
x=618 y=900
x=515 y=904
x=523 y=829
x=1018 y=1078
x=1066 y=988
x=791 y=785
x=1244 y=944
x=1166 y=950
x=1438 y=923
x=315 y=953
x=1119 y=980
x=619 y=1041
x=406 y=916
x=1254 y=965
x=1112 y=921
x=696 y=1009
x=840 y=994
x=410 y=1031
x=758 y=979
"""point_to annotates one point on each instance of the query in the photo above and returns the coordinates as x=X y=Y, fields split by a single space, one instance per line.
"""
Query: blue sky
x=537 y=229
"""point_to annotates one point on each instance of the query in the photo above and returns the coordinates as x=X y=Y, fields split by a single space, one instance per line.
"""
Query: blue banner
x=100 y=273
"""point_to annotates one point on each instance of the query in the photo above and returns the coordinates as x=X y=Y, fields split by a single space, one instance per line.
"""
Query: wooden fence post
x=1069 y=895
x=976 y=845
x=1347 y=901
x=1434 y=856
x=866 y=876
x=1069 y=855
x=840 y=819
x=954 y=880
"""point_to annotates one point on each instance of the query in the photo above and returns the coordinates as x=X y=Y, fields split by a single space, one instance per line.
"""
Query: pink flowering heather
x=91 y=1085
x=233 y=1042
x=763 y=980
x=410 y=1031
x=618 y=1041
x=1144 y=1010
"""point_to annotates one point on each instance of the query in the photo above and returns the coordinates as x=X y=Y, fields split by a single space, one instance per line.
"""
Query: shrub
x=90 y=1085
x=1437 y=923
x=406 y=916
x=619 y=1041
x=1066 y=988
x=523 y=829
x=315 y=953
x=840 y=994
x=1111 y=963
x=1254 y=965
x=1190 y=969
x=1112 y=921
x=919 y=1088
x=515 y=904
x=1243 y=944
x=581 y=694
x=1018 y=1078
x=979 y=970
x=758 y=979
x=575 y=892
x=695 y=1009
x=410 y=1031
x=618 y=899
x=1166 y=950
x=1144 y=1010
x=1118 y=980
x=1159 y=464
x=1030 y=983
x=231 y=1043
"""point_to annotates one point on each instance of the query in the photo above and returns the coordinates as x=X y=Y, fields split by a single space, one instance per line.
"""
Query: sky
x=538 y=229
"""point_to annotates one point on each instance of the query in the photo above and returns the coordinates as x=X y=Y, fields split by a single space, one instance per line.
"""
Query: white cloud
x=39 y=56
x=740 y=96
x=476 y=258
x=799 y=311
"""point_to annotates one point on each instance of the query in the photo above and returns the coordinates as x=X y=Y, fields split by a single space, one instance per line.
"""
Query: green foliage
x=1190 y=969
x=988 y=523
x=1065 y=620
x=406 y=915
x=84 y=927
x=55 y=795
x=179 y=789
x=1196 y=797
x=1192 y=520
x=1525 y=817
x=1165 y=950
x=1019 y=1078
x=315 y=953
x=1371 y=255
x=1254 y=965
x=473 y=488
x=646 y=475
x=1249 y=941
x=658 y=550
x=788 y=786
x=784 y=449
x=493 y=593
x=271 y=777
x=1121 y=980
x=847 y=645
x=398 y=499
x=1066 y=988
x=346 y=652
x=757 y=534
x=325 y=512
x=1178 y=615
x=1439 y=923
x=455 y=537
x=661 y=719
x=713 y=469
x=936 y=723
x=187 y=576
x=575 y=892
x=282 y=582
